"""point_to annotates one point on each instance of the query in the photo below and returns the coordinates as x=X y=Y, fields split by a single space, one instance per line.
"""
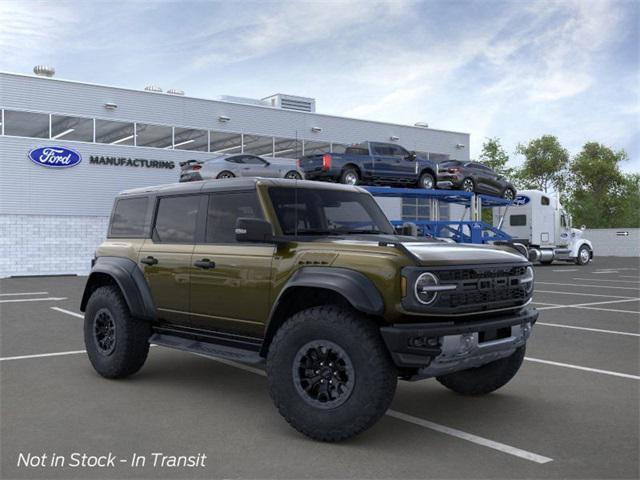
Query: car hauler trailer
x=540 y=222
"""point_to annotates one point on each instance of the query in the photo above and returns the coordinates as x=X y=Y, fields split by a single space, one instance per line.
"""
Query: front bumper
x=434 y=349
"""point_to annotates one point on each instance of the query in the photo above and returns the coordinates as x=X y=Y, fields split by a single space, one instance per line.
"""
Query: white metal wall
x=614 y=242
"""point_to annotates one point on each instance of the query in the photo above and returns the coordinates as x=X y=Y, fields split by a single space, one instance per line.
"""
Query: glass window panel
x=222 y=142
x=338 y=147
x=71 y=128
x=287 y=148
x=190 y=139
x=258 y=145
x=157 y=136
x=128 y=218
x=114 y=133
x=26 y=124
x=176 y=219
x=313 y=148
x=224 y=211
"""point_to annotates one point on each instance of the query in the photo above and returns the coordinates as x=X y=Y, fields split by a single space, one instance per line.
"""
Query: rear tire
x=293 y=175
x=509 y=194
x=349 y=176
x=225 y=174
x=336 y=400
x=116 y=343
x=484 y=379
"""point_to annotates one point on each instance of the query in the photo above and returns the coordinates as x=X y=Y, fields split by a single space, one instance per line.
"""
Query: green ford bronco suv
x=311 y=279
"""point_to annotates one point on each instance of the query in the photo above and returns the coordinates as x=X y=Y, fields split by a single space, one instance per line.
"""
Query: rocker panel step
x=205 y=348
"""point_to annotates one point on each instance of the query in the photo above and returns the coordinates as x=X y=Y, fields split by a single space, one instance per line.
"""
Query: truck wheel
x=584 y=255
x=484 y=379
x=329 y=373
x=427 y=181
x=349 y=176
x=116 y=343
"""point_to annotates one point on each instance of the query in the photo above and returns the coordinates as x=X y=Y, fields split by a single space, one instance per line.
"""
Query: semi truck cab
x=539 y=221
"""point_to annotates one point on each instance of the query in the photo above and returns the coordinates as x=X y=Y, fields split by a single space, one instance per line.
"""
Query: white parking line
x=41 y=355
x=584 y=305
x=586 y=369
x=628 y=276
x=604 y=272
x=23 y=293
x=633 y=312
x=485 y=442
x=47 y=299
x=607 y=280
x=592 y=286
x=597 y=330
x=567 y=270
x=580 y=294
x=68 y=312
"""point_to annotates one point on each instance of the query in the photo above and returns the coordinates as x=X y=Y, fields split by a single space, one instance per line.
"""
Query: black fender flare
x=355 y=287
x=130 y=279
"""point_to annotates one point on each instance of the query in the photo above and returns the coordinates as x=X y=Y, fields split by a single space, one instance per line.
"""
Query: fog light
x=466 y=342
x=420 y=342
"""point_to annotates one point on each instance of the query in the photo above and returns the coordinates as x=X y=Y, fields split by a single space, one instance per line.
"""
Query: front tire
x=293 y=175
x=427 y=181
x=584 y=255
x=509 y=194
x=468 y=185
x=329 y=373
x=116 y=343
x=484 y=379
x=225 y=174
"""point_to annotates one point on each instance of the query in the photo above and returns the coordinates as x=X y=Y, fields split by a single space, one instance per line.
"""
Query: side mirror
x=411 y=156
x=408 y=229
x=253 y=230
x=583 y=228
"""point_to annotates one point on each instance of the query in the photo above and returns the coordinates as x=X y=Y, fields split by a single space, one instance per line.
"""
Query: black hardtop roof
x=230 y=184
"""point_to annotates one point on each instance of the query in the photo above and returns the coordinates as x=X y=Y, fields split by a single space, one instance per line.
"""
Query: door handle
x=149 y=260
x=204 y=263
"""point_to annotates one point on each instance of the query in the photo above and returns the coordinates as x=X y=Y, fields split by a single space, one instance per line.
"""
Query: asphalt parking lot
x=571 y=412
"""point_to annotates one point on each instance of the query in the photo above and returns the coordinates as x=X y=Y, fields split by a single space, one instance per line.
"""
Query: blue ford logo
x=55 y=157
x=521 y=200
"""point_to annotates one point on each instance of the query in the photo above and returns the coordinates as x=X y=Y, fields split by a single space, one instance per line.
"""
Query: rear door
x=165 y=259
x=232 y=292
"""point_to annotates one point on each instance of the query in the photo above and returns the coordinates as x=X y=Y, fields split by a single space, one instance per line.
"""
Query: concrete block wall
x=49 y=244
x=614 y=242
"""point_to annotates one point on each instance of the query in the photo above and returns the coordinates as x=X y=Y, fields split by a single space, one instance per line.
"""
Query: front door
x=231 y=287
x=165 y=259
x=253 y=166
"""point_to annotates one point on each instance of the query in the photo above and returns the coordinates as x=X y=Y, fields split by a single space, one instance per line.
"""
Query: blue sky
x=514 y=70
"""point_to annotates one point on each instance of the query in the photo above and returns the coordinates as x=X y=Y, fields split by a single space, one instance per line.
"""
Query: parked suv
x=474 y=177
x=311 y=279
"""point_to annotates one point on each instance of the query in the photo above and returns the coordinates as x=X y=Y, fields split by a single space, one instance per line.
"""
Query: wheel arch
x=313 y=286
x=430 y=171
x=128 y=278
x=353 y=166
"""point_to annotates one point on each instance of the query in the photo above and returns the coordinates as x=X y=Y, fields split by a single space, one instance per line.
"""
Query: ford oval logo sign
x=55 y=157
x=521 y=200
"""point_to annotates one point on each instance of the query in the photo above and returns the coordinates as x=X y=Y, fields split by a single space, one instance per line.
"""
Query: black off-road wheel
x=116 y=343
x=484 y=379
x=329 y=373
x=349 y=176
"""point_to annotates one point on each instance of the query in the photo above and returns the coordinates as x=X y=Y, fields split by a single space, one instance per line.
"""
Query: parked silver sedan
x=239 y=165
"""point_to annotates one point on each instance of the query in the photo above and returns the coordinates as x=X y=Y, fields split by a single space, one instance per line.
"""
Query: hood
x=460 y=254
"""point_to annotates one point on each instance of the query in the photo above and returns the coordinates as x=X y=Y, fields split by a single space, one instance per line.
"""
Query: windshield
x=305 y=211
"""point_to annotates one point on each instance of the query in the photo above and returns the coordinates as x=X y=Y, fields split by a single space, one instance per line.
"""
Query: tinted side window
x=518 y=220
x=128 y=218
x=398 y=151
x=225 y=209
x=544 y=201
x=253 y=160
x=176 y=219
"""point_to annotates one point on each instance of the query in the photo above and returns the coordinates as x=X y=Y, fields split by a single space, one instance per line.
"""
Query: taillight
x=196 y=167
x=454 y=170
x=326 y=161
x=298 y=163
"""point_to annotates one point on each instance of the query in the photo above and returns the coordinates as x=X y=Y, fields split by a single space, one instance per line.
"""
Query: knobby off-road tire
x=367 y=382
x=484 y=379
x=116 y=343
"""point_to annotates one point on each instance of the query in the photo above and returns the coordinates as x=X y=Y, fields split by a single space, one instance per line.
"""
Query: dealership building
x=51 y=219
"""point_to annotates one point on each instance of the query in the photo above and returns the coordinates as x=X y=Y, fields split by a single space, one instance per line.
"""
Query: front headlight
x=527 y=280
x=426 y=288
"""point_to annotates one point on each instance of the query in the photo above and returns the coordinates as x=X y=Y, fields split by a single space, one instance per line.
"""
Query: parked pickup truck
x=371 y=163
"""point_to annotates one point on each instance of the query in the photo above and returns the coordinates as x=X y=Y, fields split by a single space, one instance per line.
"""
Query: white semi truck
x=538 y=221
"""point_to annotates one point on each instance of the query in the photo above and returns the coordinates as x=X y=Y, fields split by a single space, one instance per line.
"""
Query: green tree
x=545 y=164
x=494 y=156
x=600 y=195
